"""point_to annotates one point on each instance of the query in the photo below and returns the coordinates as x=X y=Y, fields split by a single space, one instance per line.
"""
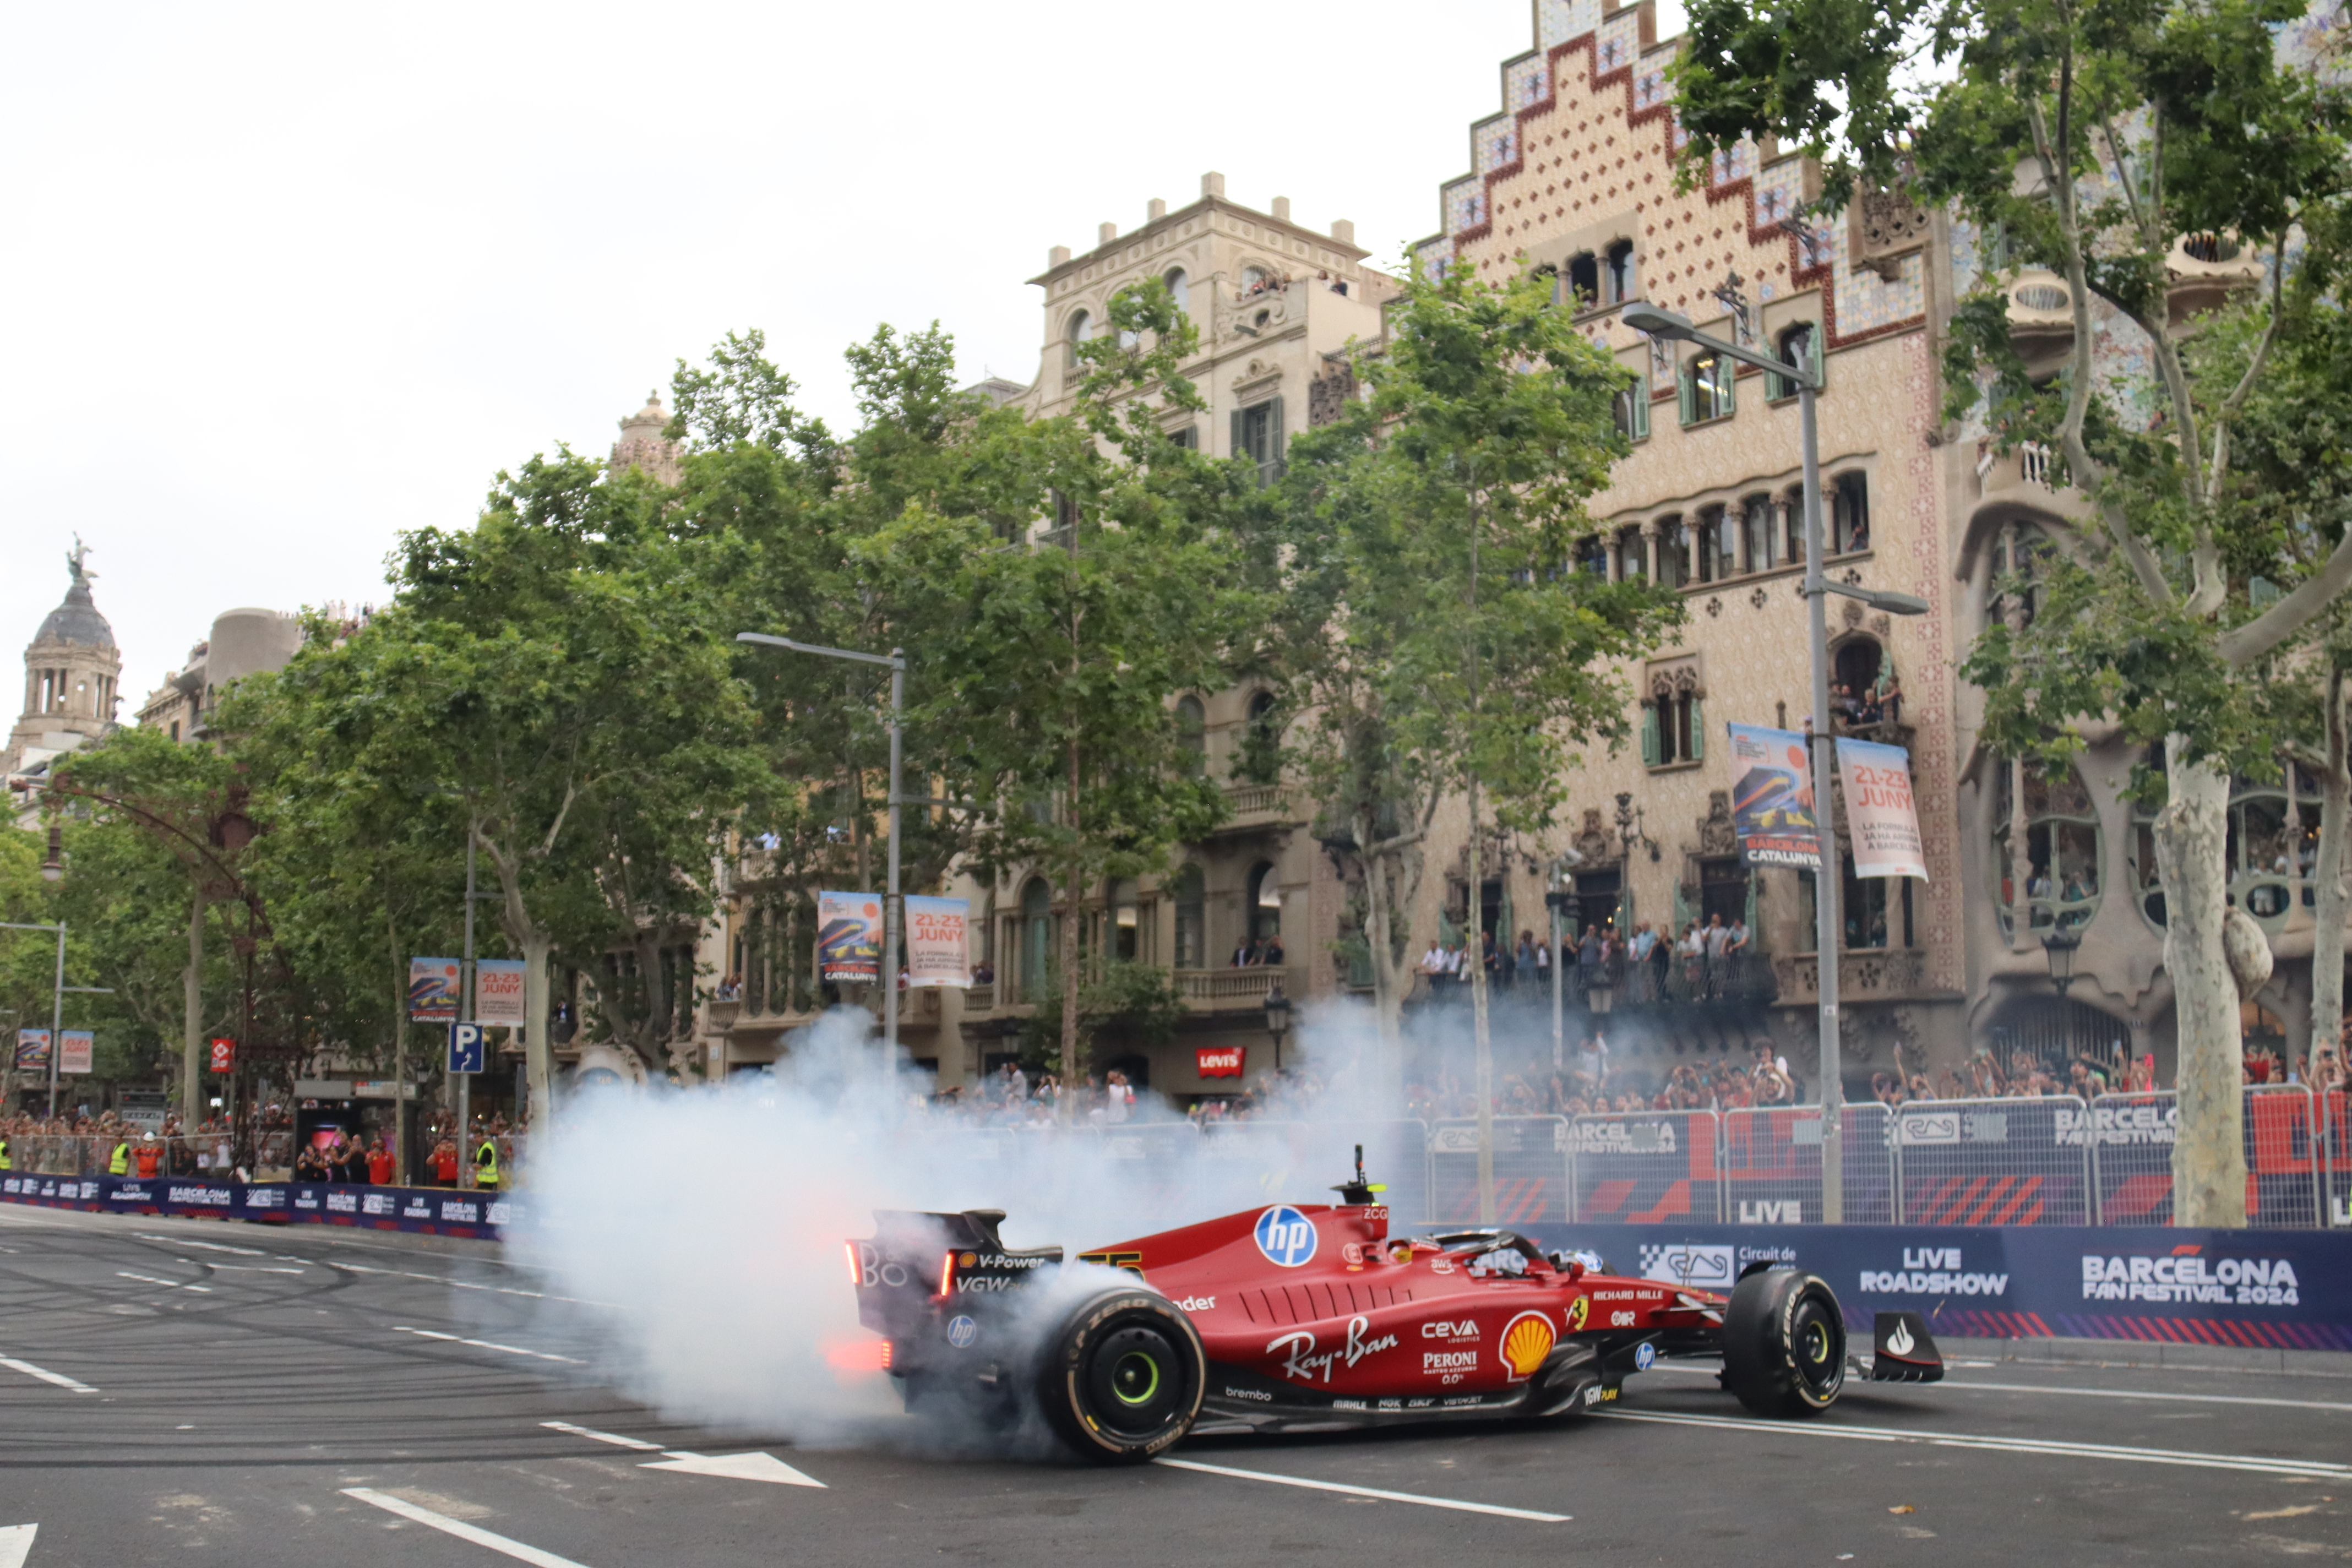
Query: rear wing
x=1904 y=1351
x=915 y=1262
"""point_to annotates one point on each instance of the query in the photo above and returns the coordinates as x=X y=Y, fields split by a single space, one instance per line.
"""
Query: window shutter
x=1686 y=389
x=1275 y=463
x=1641 y=396
x=1698 y=731
x=1649 y=734
x=1729 y=373
x=1815 y=339
x=1238 y=449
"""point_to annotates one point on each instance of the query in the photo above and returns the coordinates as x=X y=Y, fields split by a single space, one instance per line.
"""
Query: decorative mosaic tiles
x=1527 y=82
x=1620 y=41
x=1494 y=143
x=1557 y=21
x=1466 y=205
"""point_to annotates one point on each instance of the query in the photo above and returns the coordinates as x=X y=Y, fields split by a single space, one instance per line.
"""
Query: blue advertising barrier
x=2283 y=1289
x=428 y=1211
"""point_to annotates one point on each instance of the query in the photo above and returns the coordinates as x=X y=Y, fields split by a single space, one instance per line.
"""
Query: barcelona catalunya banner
x=427 y=1211
x=2275 y=1289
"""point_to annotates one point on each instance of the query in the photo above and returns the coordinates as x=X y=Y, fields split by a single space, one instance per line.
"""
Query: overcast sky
x=285 y=279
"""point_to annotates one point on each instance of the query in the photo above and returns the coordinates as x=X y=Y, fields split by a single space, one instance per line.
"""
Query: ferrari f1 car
x=1313 y=1317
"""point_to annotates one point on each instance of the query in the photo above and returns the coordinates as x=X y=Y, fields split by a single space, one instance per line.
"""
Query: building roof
x=77 y=619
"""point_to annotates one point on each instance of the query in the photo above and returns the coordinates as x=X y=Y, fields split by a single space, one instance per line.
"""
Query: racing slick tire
x=1784 y=1344
x=1121 y=1377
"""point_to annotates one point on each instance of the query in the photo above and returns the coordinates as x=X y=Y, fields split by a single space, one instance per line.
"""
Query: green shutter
x=1698 y=731
x=1729 y=373
x=1686 y=389
x=1641 y=396
x=1818 y=341
x=1236 y=449
x=1274 y=459
x=1649 y=734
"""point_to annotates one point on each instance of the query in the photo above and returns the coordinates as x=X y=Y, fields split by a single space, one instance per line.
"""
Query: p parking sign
x=464 y=1048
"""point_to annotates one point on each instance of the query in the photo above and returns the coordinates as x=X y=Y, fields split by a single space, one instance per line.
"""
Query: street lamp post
x=896 y=661
x=1828 y=923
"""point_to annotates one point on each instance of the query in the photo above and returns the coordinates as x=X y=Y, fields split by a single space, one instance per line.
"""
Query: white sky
x=285 y=279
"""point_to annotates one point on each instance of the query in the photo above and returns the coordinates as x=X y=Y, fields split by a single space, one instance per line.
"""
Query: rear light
x=850 y=1250
x=886 y=1345
x=859 y=1355
x=947 y=1275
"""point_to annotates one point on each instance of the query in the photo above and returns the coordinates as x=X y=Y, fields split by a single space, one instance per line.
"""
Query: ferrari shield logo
x=1526 y=1339
x=1576 y=1312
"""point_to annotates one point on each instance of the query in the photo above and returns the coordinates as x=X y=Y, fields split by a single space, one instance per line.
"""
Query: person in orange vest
x=149 y=1158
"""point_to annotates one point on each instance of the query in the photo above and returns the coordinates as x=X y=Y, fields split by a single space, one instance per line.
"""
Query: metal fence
x=1531 y=1172
x=1772 y=1165
x=2289 y=1168
x=2335 y=1155
x=1646 y=1166
x=1992 y=1162
x=202 y=1155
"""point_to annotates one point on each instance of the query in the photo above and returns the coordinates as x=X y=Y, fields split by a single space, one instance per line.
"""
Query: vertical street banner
x=498 y=992
x=937 y=951
x=223 y=1056
x=1879 y=811
x=32 y=1050
x=433 y=990
x=76 y=1048
x=1772 y=798
x=849 y=937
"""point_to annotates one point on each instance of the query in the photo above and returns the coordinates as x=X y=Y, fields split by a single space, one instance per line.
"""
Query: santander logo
x=1900 y=1342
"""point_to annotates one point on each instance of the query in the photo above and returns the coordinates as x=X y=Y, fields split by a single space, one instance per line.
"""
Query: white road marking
x=2084 y=1393
x=167 y=1284
x=246 y=1268
x=468 y=1284
x=491 y=1345
x=736 y=1468
x=1365 y=1491
x=17 y=1544
x=46 y=1375
x=202 y=1245
x=613 y=1437
x=458 y=1528
x=2049 y=1447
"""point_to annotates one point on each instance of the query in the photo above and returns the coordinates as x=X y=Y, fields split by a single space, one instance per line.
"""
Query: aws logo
x=1526 y=1339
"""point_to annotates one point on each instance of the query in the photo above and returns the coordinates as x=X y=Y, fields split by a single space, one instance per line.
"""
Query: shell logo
x=1526 y=1339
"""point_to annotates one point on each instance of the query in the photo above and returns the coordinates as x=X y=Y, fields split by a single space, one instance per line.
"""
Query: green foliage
x=1121 y=1004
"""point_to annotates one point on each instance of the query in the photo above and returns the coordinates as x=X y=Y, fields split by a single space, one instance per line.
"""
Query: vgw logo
x=1285 y=1236
x=1772 y=1211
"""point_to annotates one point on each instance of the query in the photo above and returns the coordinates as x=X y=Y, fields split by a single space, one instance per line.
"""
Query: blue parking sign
x=464 y=1048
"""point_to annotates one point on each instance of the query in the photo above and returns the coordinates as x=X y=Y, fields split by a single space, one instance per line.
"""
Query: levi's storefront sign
x=1220 y=1061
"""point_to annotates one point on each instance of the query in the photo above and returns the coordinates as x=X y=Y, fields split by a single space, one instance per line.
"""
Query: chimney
x=1213 y=184
x=1058 y=255
x=1282 y=209
x=1154 y=210
x=1106 y=234
x=1344 y=230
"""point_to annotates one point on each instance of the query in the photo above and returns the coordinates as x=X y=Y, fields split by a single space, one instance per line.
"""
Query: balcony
x=1864 y=975
x=1252 y=807
x=1231 y=989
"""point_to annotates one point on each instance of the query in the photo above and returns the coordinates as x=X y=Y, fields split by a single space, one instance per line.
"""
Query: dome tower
x=71 y=675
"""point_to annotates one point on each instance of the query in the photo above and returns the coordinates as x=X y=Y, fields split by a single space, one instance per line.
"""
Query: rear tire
x=1784 y=1344
x=1121 y=1378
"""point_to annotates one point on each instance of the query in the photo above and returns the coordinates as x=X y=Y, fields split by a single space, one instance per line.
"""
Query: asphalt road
x=183 y=1392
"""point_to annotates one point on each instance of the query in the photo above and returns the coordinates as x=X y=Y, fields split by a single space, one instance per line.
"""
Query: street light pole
x=887 y=971
x=1828 y=925
x=466 y=1015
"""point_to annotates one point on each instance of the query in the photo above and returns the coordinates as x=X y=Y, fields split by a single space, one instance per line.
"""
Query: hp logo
x=1285 y=1236
x=1645 y=1356
x=962 y=1332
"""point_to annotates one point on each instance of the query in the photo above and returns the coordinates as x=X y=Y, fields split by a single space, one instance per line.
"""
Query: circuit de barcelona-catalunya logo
x=1285 y=1236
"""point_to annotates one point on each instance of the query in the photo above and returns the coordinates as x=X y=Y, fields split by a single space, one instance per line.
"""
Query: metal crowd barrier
x=1646 y=1166
x=1772 y=1165
x=2337 y=1156
x=2291 y=1168
x=1531 y=1172
x=1992 y=1162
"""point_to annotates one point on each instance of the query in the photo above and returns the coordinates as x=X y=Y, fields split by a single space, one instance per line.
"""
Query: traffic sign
x=466 y=1047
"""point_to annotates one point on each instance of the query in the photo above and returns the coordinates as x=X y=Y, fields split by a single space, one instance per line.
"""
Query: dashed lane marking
x=202 y=1246
x=46 y=1375
x=613 y=1437
x=1455 y=1503
x=246 y=1267
x=167 y=1284
x=466 y=1284
x=17 y=1544
x=2047 y=1446
x=491 y=1345
x=1970 y=1382
x=516 y=1549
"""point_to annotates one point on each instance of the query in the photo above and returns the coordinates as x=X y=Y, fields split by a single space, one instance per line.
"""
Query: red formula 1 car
x=1311 y=1317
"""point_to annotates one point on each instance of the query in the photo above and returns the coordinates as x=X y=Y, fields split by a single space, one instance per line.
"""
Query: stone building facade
x=72 y=678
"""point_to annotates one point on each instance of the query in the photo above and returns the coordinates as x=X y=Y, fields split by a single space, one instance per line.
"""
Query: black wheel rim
x=1134 y=1380
x=1817 y=1345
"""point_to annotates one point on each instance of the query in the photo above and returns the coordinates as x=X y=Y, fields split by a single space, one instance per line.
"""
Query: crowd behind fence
x=2060 y=1159
x=269 y=1155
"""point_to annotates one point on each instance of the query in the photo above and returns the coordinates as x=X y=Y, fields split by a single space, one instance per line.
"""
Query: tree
x=1051 y=669
x=1464 y=649
x=2092 y=135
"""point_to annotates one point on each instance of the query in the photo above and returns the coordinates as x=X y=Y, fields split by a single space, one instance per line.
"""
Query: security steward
x=5 y=1164
x=486 y=1165
x=119 y=1165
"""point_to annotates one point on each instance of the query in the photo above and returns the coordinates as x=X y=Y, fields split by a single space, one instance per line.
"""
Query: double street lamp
x=1829 y=930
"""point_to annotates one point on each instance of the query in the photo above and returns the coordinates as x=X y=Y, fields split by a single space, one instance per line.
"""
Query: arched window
x=1592 y=556
x=1265 y=902
x=1673 y=729
x=1633 y=562
x=2273 y=844
x=1179 y=288
x=1617 y=272
x=1036 y=938
x=1192 y=919
x=2046 y=848
x=1761 y=533
x=1192 y=735
x=1126 y=926
x=1859 y=663
x=1718 y=544
x=1256 y=280
x=1630 y=410
x=1082 y=329
x=1799 y=346
x=1582 y=282
x=1674 y=554
x=1848 y=514
x=2018 y=554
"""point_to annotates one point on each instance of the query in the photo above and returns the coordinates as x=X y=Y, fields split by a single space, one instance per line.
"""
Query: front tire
x=1784 y=1344
x=1122 y=1378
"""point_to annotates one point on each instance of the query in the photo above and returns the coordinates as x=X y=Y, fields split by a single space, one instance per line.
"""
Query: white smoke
x=712 y=1222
